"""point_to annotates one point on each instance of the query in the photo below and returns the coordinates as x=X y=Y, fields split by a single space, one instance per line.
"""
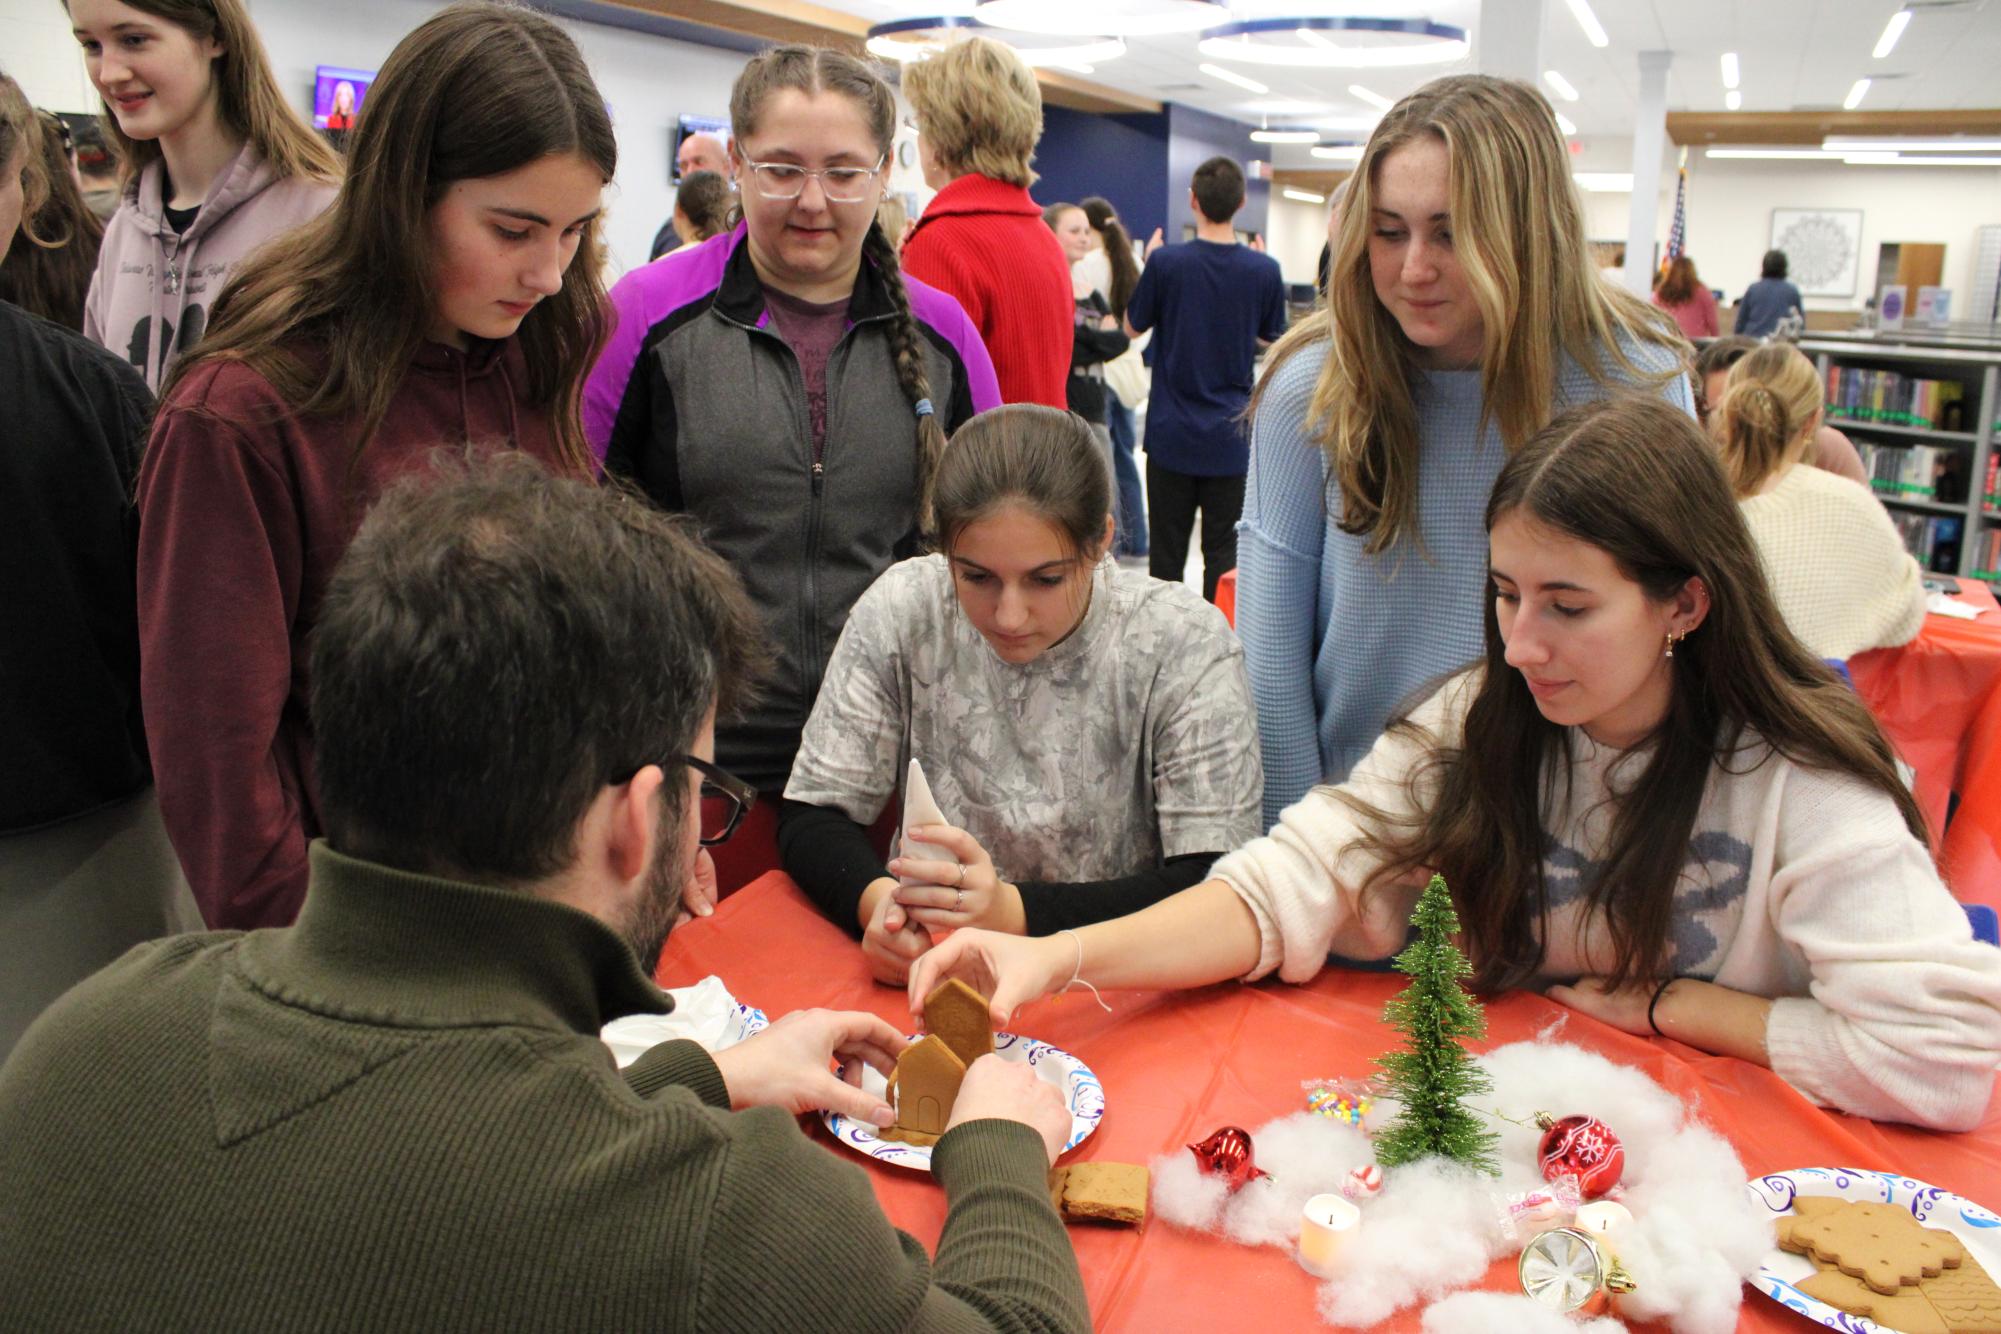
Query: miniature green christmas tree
x=1432 y=1077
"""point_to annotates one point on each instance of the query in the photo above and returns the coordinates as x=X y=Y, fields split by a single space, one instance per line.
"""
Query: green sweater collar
x=383 y=946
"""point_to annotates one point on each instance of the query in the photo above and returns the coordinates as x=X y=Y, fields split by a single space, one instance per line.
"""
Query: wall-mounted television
x=719 y=126
x=338 y=94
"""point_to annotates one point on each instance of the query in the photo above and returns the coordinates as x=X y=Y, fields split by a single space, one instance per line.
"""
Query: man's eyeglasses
x=841 y=185
x=725 y=799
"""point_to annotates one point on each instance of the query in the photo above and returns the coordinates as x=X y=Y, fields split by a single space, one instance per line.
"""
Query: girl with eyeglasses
x=787 y=386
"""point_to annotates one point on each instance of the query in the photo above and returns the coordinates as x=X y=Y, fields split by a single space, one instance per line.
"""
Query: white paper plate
x=632 y=1036
x=1976 y=1227
x=1082 y=1093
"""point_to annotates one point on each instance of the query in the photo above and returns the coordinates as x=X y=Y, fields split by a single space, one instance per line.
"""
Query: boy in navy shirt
x=1211 y=303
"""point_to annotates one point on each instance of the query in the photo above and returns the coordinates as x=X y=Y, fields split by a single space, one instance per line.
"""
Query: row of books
x=1932 y=538
x=1905 y=472
x=1987 y=554
x=1891 y=397
x=1990 y=491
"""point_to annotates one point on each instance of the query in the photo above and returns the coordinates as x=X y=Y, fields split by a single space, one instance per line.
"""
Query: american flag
x=1678 y=230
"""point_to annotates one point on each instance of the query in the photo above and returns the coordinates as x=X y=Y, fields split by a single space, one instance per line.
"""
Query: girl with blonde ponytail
x=1839 y=571
x=1463 y=313
x=790 y=388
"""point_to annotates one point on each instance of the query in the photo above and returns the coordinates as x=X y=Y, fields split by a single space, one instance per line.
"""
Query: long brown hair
x=1104 y=220
x=1771 y=404
x=1679 y=284
x=21 y=133
x=1518 y=231
x=812 y=70
x=247 y=95
x=54 y=255
x=1635 y=478
x=333 y=312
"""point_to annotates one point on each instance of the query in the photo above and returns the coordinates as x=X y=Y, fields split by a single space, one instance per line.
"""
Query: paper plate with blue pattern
x=1977 y=1227
x=1082 y=1093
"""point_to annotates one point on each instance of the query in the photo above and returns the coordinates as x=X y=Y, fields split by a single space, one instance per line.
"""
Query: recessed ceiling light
x=1593 y=30
x=1559 y=85
x=1231 y=76
x=1303 y=196
x=1371 y=96
x=1605 y=182
x=1339 y=152
x=1285 y=136
x=1891 y=32
x=1336 y=42
x=1734 y=100
x=1773 y=154
x=1855 y=95
x=1121 y=18
x=1894 y=160
x=1848 y=145
x=1729 y=69
x=1567 y=125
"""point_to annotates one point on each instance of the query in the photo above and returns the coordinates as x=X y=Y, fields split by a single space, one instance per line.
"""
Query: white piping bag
x=920 y=808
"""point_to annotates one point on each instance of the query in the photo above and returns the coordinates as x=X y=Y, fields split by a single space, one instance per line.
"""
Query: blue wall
x=1193 y=138
x=1123 y=158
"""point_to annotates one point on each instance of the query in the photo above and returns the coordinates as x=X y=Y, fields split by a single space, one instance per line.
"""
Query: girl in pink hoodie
x=450 y=296
x=216 y=164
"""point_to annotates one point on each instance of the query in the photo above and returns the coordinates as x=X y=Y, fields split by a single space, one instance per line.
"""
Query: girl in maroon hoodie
x=449 y=296
x=216 y=163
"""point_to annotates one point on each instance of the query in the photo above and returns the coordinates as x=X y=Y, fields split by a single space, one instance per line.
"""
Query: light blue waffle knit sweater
x=1334 y=638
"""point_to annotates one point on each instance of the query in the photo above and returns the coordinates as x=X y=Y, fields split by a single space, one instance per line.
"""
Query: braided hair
x=813 y=69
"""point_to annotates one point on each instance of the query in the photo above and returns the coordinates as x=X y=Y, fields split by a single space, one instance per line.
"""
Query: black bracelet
x=1659 y=992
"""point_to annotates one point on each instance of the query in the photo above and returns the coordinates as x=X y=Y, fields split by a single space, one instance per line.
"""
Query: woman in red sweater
x=448 y=297
x=1682 y=295
x=982 y=239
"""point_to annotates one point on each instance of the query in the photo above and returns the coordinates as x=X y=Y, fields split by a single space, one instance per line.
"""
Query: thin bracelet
x=1659 y=992
x=1077 y=973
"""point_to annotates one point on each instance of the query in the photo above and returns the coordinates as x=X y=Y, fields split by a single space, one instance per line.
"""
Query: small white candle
x=1324 y=1228
x=1603 y=1218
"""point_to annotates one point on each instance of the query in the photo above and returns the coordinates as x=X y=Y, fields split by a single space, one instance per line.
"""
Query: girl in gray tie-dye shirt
x=1086 y=728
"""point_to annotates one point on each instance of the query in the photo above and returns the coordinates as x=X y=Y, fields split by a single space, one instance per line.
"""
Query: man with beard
x=397 y=1112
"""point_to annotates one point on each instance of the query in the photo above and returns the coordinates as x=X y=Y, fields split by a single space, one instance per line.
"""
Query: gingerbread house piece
x=958 y=1014
x=922 y=1090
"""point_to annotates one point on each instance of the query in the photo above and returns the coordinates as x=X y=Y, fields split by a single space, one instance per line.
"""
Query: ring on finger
x=960 y=880
x=959 y=903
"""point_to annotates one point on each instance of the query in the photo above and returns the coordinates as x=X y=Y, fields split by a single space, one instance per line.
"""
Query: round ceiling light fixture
x=905 y=40
x=1336 y=43
x=1123 y=18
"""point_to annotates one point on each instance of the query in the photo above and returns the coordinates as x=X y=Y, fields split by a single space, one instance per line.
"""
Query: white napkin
x=705 y=1013
x=1942 y=605
x=920 y=808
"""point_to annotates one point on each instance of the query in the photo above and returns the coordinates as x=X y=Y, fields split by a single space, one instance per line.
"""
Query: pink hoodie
x=149 y=280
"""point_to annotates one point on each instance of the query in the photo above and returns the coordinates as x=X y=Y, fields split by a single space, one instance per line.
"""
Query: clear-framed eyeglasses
x=841 y=185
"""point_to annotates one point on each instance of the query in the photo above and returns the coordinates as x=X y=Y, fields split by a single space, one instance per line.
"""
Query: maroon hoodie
x=244 y=509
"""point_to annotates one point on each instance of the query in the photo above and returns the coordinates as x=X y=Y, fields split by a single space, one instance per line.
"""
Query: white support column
x=1508 y=40
x=1649 y=134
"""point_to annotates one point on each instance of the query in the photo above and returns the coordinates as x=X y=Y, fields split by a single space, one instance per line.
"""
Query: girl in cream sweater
x=1838 y=570
x=1648 y=798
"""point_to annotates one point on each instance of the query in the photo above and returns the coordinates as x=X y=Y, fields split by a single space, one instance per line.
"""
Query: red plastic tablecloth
x=1939 y=699
x=1177 y=1065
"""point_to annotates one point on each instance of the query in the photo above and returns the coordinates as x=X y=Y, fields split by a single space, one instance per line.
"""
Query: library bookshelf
x=1923 y=415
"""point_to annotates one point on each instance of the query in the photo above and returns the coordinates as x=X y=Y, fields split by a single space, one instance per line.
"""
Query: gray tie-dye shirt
x=1130 y=742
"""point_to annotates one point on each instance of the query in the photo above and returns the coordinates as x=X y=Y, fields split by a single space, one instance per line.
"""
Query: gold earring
x=1672 y=640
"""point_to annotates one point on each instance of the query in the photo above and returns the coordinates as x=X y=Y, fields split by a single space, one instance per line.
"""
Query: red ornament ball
x=1227 y=1154
x=1583 y=1147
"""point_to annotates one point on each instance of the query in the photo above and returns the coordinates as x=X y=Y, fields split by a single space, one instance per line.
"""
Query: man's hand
x=789 y=1064
x=1153 y=243
x=1004 y=1090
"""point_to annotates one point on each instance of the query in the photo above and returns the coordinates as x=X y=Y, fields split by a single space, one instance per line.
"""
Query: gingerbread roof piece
x=922 y=1090
x=960 y=1015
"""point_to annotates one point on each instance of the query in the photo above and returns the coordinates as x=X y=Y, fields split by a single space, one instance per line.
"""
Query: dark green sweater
x=397 y=1115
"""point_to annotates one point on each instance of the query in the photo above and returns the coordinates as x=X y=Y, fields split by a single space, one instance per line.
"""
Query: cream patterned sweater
x=1843 y=580
x=1799 y=885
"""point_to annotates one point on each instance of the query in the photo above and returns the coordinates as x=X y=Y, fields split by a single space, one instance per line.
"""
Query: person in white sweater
x=1840 y=573
x=1649 y=799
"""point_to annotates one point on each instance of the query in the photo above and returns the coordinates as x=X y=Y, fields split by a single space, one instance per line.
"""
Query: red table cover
x=1939 y=700
x=1176 y=1065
